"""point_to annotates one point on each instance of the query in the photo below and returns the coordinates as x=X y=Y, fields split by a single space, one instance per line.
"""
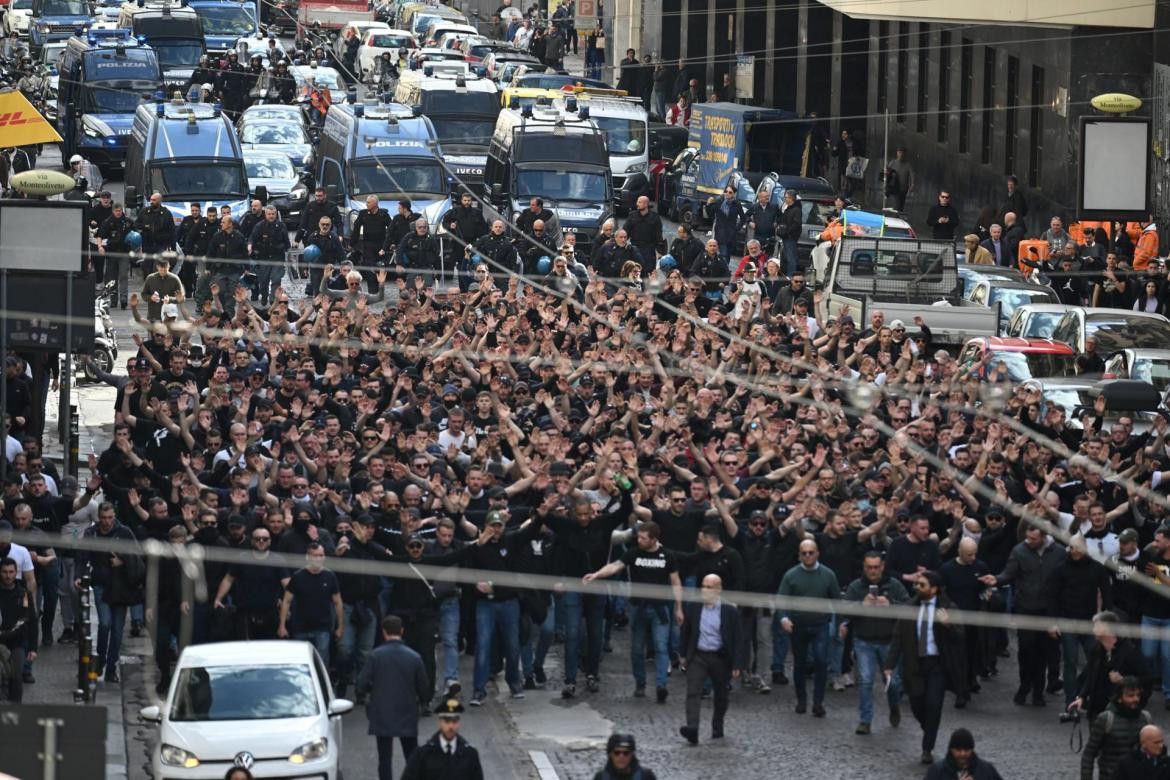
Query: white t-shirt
x=20 y=554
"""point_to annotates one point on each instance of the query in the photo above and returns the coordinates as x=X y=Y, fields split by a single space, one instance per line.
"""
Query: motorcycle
x=105 y=338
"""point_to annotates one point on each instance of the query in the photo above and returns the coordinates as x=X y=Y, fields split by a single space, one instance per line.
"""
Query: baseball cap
x=141 y=364
x=449 y=389
x=495 y=517
x=497 y=492
x=896 y=324
x=560 y=469
x=872 y=474
x=1128 y=536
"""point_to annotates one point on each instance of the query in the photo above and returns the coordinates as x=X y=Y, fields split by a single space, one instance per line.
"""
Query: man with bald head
x=1148 y=760
x=809 y=630
x=961 y=584
x=712 y=645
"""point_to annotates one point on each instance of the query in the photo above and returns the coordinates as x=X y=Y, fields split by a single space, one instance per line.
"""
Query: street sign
x=64 y=742
x=745 y=77
x=35 y=310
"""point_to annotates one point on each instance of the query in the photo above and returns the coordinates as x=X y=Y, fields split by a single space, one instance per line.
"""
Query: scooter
x=105 y=338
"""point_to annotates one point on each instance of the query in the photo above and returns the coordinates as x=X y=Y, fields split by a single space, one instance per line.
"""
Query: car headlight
x=310 y=751
x=42 y=28
x=299 y=193
x=91 y=132
x=173 y=756
x=639 y=168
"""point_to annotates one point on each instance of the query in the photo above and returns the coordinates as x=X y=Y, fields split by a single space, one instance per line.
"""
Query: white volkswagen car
x=266 y=706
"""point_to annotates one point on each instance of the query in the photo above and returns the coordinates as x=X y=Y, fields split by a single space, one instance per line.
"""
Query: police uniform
x=438 y=759
x=269 y=242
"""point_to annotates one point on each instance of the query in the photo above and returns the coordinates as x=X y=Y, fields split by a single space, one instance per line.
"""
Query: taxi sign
x=21 y=124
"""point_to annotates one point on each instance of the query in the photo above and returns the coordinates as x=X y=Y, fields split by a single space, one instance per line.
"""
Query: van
x=174 y=32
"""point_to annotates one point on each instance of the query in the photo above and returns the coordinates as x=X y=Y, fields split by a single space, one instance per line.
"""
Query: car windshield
x=1011 y=299
x=397 y=179
x=179 y=54
x=274 y=134
x=1068 y=398
x=226 y=19
x=322 y=77
x=51 y=52
x=121 y=97
x=1027 y=365
x=64 y=8
x=1115 y=333
x=391 y=41
x=623 y=136
x=1156 y=372
x=1041 y=324
x=20 y=4
x=815 y=212
x=270 y=168
x=422 y=22
x=463 y=131
x=561 y=186
x=201 y=180
x=282 y=113
x=244 y=693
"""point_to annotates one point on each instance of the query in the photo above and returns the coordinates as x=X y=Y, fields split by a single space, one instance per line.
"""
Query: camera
x=1071 y=716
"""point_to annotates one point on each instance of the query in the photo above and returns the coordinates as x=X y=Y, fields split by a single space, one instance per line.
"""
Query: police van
x=463 y=108
x=625 y=124
x=224 y=22
x=105 y=75
x=56 y=20
x=385 y=150
x=189 y=153
x=556 y=155
x=173 y=31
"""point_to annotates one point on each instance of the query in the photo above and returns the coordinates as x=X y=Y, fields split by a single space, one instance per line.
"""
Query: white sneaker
x=838 y=685
x=847 y=679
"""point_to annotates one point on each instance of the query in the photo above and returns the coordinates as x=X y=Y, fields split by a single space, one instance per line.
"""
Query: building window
x=1036 y=136
x=944 y=84
x=923 y=75
x=903 y=74
x=883 y=65
x=989 y=104
x=1012 y=115
x=966 y=84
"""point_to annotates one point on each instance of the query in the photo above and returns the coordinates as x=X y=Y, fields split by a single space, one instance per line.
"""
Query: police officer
x=532 y=247
x=195 y=240
x=225 y=255
x=254 y=217
x=466 y=223
x=644 y=229
x=419 y=252
x=283 y=84
x=203 y=74
x=268 y=243
x=112 y=246
x=401 y=226
x=617 y=255
x=99 y=212
x=446 y=755
x=317 y=208
x=332 y=252
x=496 y=248
x=232 y=85
x=369 y=237
x=156 y=225
x=254 y=73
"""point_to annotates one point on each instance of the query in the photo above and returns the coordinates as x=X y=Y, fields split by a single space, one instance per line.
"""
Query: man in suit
x=996 y=245
x=712 y=643
x=446 y=755
x=930 y=649
x=396 y=686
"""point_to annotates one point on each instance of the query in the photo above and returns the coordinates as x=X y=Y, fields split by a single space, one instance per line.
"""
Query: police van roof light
x=359 y=110
x=387 y=97
x=216 y=108
x=428 y=71
x=526 y=111
x=583 y=112
x=571 y=105
x=161 y=109
x=141 y=39
x=514 y=103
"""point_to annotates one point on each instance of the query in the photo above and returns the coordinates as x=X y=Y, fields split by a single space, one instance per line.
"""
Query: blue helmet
x=312 y=253
x=544 y=264
x=134 y=239
x=667 y=263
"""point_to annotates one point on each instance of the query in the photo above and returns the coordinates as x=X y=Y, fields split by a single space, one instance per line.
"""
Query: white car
x=264 y=705
x=378 y=41
x=17 y=18
x=360 y=29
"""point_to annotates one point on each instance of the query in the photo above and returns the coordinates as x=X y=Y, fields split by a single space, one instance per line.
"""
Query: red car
x=1024 y=358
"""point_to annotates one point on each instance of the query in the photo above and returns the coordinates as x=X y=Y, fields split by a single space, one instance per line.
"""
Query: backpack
x=1111 y=716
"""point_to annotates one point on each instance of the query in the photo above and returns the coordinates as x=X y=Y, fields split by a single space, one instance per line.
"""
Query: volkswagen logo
x=244 y=759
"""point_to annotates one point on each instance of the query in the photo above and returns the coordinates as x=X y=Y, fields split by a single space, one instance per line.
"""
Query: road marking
x=544 y=767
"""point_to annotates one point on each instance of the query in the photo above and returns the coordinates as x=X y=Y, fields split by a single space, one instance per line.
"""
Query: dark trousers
x=166 y=639
x=256 y=625
x=419 y=633
x=386 y=754
x=810 y=641
x=703 y=665
x=16 y=681
x=927 y=704
x=1034 y=658
x=974 y=641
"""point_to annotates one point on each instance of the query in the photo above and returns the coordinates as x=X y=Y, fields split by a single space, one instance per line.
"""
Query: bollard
x=74 y=438
x=86 y=692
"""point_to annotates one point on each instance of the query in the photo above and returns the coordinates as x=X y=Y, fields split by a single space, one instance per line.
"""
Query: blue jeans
x=592 y=609
x=1157 y=653
x=269 y=274
x=655 y=619
x=836 y=647
x=355 y=645
x=725 y=253
x=871 y=659
x=814 y=640
x=780 y=643
x=449 y=636
x=790 y=256
x=534 y=651
x=490 y=616
x=111 y=624
x=319 y=640
x=1070 y=646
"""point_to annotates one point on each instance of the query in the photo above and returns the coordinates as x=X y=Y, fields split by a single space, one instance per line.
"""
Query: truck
x=173 y=31
x=730 y=138
x=625 y=123
x=904 y=279
x=463 y=108
x=56 y=20
x=332 y=14
x=105 y=75
x=538 y=151
x=224 y=22
x=188 y=153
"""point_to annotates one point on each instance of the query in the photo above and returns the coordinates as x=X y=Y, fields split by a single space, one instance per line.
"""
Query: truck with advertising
x=730 y=138
x=105 y=76
x=332 y=14
x=224 y=22
x=463 y=108
x=56 y=20
x=173 y=31
x=558 y=156
x=189 y=153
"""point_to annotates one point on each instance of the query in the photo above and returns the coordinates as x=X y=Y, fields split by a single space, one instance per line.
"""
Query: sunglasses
x=620 y=752
x=261 y=539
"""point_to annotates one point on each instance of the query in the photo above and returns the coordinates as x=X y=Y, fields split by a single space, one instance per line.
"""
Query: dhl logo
x=10 y=118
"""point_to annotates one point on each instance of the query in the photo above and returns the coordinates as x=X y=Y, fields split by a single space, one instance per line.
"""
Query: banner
x=21 y=124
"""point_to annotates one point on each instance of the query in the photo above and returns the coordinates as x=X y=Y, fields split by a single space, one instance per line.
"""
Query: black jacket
x=791 y=223
x=228 y=247
x=400 y=228
x=1073 y=588
x=369 y=233
x=311 y=218
x=332 y=252
x=948 y=637
x=1112 y=737
x=685 y=253
x=765 y=218
x=614 y=257
x=946 y=230
x=113 y=231
x=269 y=240
x=429 y=762
x=978 y=769
x=730 y=630
x=157 y=227
x=419 y=253
x=583 y=549
x=645 y=232
x=526 y=218
x=1140 y=766
x=1096 y=689
x=467 y=224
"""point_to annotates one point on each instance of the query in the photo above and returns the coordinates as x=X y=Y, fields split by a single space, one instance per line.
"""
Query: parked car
x=476 y=47
x=288 y=138
x=666 y=142
x=1138 y=401
x=969 y=274
x=1035 y=320
x=1147 y=365
x=1114 y=329
x=1010 y=296
x=266 y=705
x=378 y=41
x=1024 y=358
x=499 y=64
x=276 y=173
x=360 y=29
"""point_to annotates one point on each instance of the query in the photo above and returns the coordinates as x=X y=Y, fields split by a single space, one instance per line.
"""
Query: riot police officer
x=268 y=243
